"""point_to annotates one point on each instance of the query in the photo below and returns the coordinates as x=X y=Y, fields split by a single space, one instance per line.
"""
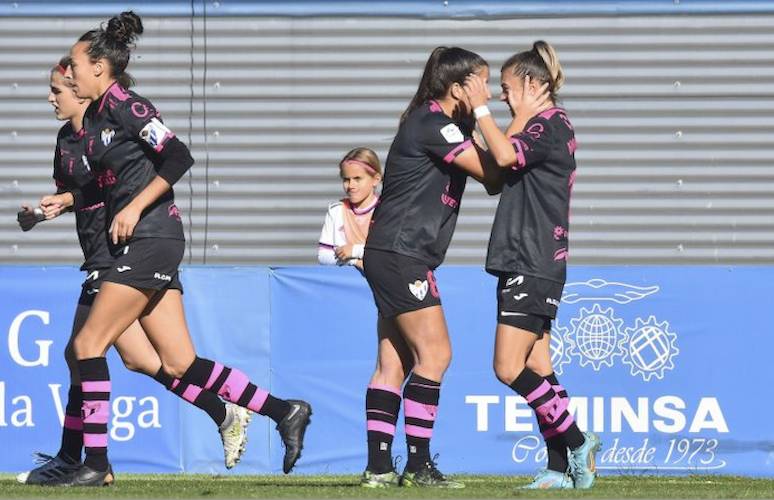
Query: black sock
x=72 y=430
x=555 y=446
x=551 y=410
x=420 y=406
x=205 y=400
x=382 y=407
x=234 y=386
x=95 y=410
x=275 y=408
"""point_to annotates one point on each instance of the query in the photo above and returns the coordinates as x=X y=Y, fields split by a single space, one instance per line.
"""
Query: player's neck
x=448 y=106
x=76 y=123
x=367 y=202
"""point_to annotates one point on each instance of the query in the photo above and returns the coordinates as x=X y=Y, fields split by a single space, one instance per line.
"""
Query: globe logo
x=651 y=349
x=560 y=351
x=597 y=336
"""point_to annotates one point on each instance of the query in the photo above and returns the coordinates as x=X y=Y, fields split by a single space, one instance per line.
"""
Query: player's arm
x=326 y=248
x=502 y=149
x=142 y=122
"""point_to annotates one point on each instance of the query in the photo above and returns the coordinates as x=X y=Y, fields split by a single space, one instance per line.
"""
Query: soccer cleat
x=51 y=470
x=385 y=480
x=583 y=467
x=292 y=429
x=86 y=476
x=549 y=480
x=428 y=476
x=233 y=433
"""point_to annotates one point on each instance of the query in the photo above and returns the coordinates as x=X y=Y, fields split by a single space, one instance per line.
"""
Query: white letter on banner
x=513 y=412
x=13 y=340
x=25 y=413
x=57 y=401
x=709 y=407
x=3 y=423
x=668 y=407
x=482 y=409
x=153 y=413
x=118 y=413
x=620 y=409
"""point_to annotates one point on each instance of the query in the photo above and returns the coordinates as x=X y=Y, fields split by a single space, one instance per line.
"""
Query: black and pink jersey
x=418 y=208
x=124 y=134
x=531 y=226
x=72 y=174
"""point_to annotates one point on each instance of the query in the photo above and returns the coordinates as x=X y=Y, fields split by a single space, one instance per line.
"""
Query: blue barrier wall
x=669 y=364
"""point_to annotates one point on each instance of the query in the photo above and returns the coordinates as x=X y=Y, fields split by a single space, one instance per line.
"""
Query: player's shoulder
x=65 y=131
x=335 y=207
x=136 y=106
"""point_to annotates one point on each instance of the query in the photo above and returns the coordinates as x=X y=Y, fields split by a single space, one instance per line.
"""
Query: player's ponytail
x=114 y=42
x=444 y=67
x=541 y=64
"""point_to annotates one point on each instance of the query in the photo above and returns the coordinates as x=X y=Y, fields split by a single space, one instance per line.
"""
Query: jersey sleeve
x=442 y=138
x=61 y=183
x=533 y=144
x=325 y=249
x=143 y=123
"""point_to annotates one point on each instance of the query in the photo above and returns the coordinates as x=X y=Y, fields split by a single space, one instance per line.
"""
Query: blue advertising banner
x=670 y=365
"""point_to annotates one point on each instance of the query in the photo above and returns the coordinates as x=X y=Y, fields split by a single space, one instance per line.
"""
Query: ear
x=457 y=91
x=99 y=68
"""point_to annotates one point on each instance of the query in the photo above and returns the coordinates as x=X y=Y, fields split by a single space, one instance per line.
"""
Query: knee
x=507 y=372
x=435 y=365
x=83 y=345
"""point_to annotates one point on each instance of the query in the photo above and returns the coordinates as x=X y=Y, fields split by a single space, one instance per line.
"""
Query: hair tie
x=363 y=164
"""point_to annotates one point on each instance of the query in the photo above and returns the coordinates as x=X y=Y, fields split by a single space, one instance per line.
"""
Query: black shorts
x=400 y=284
x=94 y=279
x=148 y=264
x=527 y=302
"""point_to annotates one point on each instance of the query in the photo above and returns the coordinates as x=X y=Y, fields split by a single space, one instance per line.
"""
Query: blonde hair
x=365 y=156
x=541 y=63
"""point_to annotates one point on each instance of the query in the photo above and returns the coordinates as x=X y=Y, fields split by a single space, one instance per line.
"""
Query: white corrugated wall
x=674 y=116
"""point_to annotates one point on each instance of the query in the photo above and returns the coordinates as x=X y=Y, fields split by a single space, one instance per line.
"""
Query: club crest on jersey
x=452 y=134
x=419 y=289
x=155 y=134
x=107 y=136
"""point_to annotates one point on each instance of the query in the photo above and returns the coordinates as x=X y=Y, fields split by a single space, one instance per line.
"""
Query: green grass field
x=202 y=486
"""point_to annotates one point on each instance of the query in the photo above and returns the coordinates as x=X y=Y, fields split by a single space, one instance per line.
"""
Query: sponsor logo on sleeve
x=452 y=134
x=155 y=134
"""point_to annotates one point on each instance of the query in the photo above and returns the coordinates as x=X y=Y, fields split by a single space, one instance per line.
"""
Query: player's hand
x=527 y=105
x=476 y=90
x=55 y=205
x=122 y=228
x=343 y=253
x=359 y=264
x=27 y=218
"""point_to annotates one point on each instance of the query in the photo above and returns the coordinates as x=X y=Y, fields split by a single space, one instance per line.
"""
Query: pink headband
x=363 y=164
x=60 y=69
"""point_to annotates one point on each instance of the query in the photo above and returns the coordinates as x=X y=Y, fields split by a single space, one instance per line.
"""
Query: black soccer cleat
x=292 y=429
x=86 y=476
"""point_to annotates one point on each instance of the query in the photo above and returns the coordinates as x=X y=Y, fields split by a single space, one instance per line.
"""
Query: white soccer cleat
x=233 y=433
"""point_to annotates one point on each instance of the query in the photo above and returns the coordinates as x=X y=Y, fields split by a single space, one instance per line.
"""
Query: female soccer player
x=136 y=160
x=77 y=190
x=528 y=252
x=426 y=170
x=344 y=233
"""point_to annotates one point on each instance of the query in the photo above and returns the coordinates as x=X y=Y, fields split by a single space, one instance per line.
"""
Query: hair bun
x=124 y=28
